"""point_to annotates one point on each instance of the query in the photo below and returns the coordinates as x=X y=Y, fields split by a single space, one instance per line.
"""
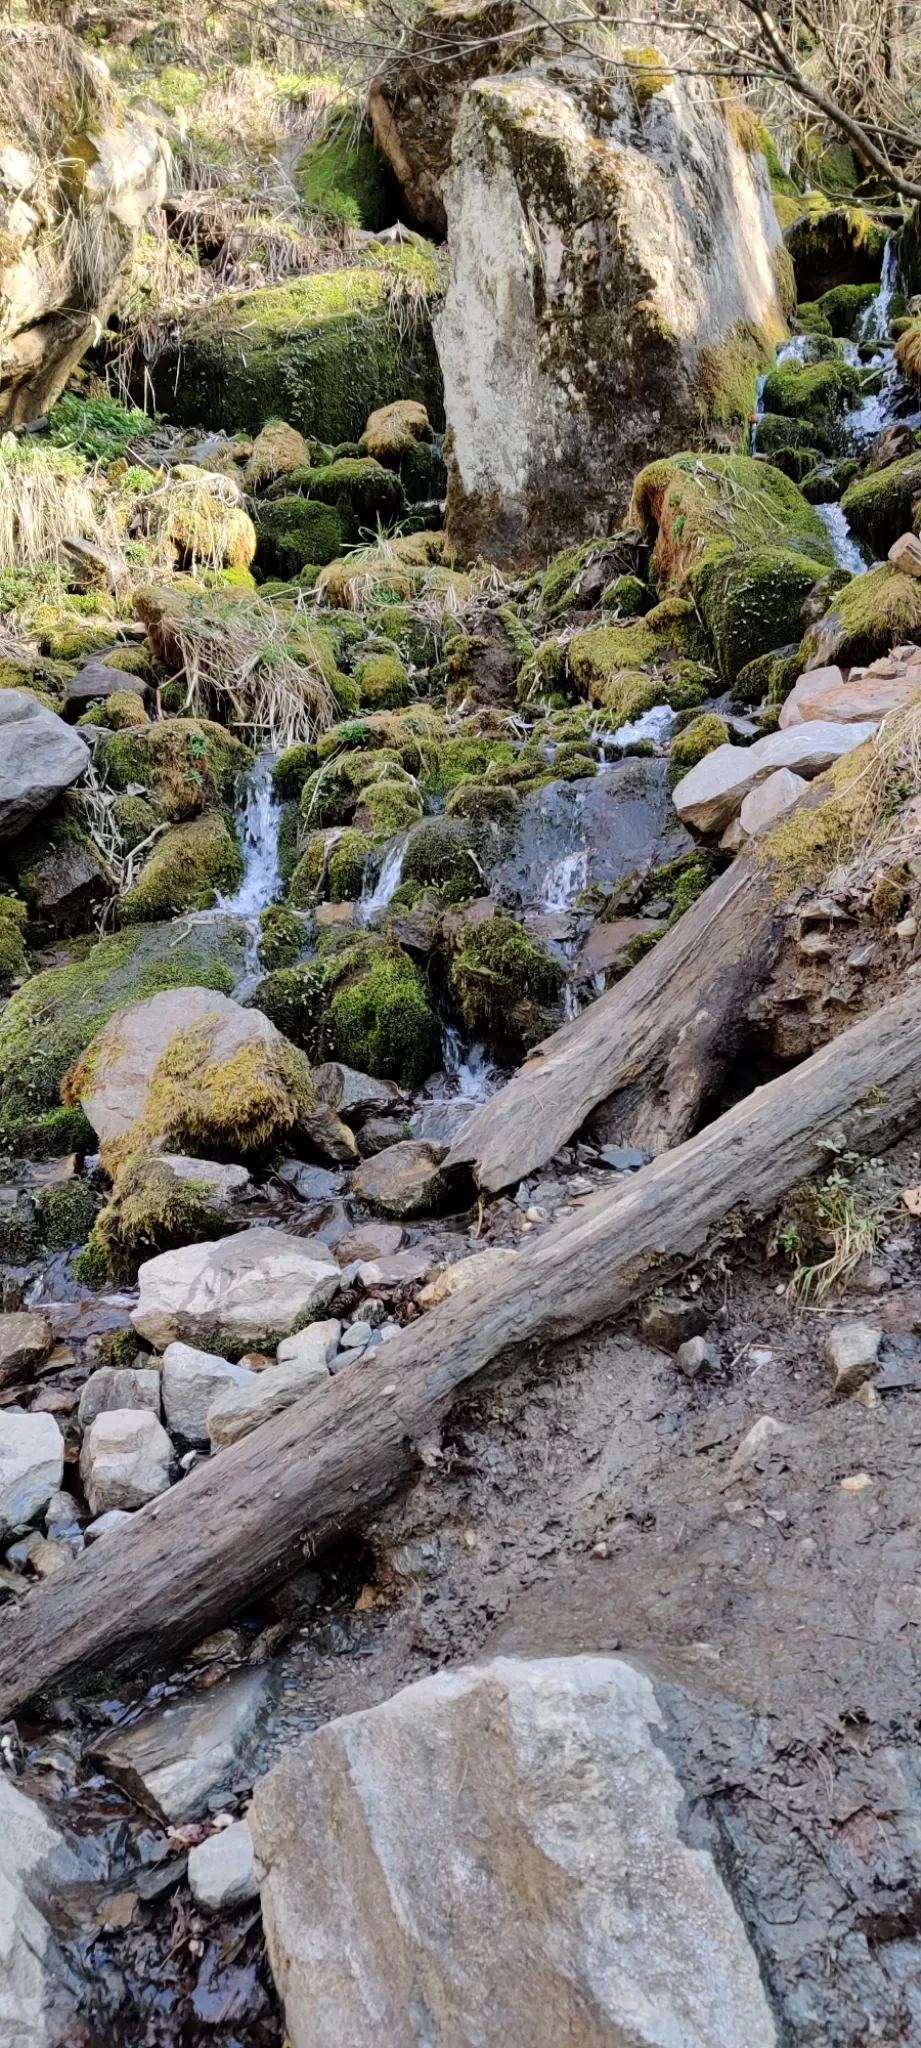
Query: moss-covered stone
x=769 y=675
x=188 y=764
x=502 y=982
x=832 y=244
x=873 y=613
x=50 y=1021
x=697 y=739
x=388 y=807
x=696 y=506
x=294 y=531
x=346 y=863
x=292 y=770
x=879 y=507
x=14 y=965
x=152 y=1209
x=484 y=803
x=442 y=853
x=67 y=1211
x=627 y=597
x=843 y=306
x=363 y=494
x=343 y=177
x=294 y=998
x=282 y=937
x=125 y=710
x=818 y=392
x=752 y=602
x=654 y=660
x=188 y=869
x=383 y=682
x=381 y=1020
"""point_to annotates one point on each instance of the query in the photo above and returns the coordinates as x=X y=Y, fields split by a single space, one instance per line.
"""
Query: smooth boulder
x=25 y=1339
x=31 y=1467
x=192 y=1381
x=40 y=757
x=404 y=1180
x=38 y=1990
x=241 y=1293
x=712 y=793
x=509 y=1863
x=125 y=1460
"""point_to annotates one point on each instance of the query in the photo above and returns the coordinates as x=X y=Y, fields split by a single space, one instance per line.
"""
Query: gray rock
x=31 y=1467
x=509 y=1863
x=125 y=1460
x=370 y=1240
x=669 y=1321
x=695 y=1355
x=223 y=1871
x=106 y=1525
x=852 y=1354
x=97 y=679
x=64 y=884
x=116 y=1386
x=39 y=757
x=192 y=1381
x=713 y=792
x=404 y=1180
x=356 y=1336
x=25 y=1339
x=243 y=1293
x=351 y=1094
x=222 y=1183
x=38 y=1991
x=314 y=1346
x=178 y=1758
x=236 y=1411
x=312 y=1183
x=768 y=800
x=378 y=1132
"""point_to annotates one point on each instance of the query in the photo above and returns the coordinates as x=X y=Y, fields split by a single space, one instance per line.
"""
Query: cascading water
x=563 y=880
x=261 y=881
x=847 y=551
x=874 y=320
x=373 y=901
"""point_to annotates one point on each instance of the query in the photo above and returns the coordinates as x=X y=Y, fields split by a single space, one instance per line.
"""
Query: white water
x=261 y=882
x=874 y=320
x=655 y=725
x=846 y=551
x=373 y=901
x=563 y=881
x=467 y=1068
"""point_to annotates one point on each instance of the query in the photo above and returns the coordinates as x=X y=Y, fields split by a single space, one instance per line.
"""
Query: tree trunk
x=247 y=1517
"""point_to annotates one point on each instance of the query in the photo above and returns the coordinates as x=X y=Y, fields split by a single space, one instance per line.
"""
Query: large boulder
x=241 y=1293
x=614 y=290
x=194 y=1067
x=508 y=1861
x=39 y=757
x=78 y=175
x=38 y=1990
x=713 y=792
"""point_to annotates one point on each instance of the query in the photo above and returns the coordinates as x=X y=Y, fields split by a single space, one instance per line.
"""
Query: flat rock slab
x=192 y=1381
x=713 y=792
x=37 y=1989
x=176 y=1759
x=39 y=757
x=499 y=1855
x=866 y=697
x=404 y=1180
x=236 y=1293
x=619 y=821
x=97 y=679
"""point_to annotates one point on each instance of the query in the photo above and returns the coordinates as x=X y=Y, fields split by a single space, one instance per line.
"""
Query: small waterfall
x=563 y=881
x=654 y=725
x=874 y=320
x=467 y=1067
x=261 y=882
x=373 y=901
x=847 y=553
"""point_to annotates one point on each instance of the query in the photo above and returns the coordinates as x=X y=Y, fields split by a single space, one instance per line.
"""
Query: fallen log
x=243 y=1520
x=662 y=1038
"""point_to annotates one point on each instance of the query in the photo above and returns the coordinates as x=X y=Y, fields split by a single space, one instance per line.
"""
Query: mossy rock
x=124 y=710
x=833 y=244
x=629 y=668
x=345 y=868
x=294 y=532
x=67 y=1211
x=465 y=758
x=282 y=937
x=752 y=602
x=294 y=999
x=768 y=676
x=873 y=613
x=628 y=597
x=188 y=869
x=484 y=803
x=51 y=1020
x=292 y=769
x=320 y=351
x=152 y=1209
x=502 y=982
x=442 y=853
x=879 y=507
x=844 y=305
x=381 y=1019
x=187 y=764
x=694 y=742
x=388 y=807
x=362 y=492
x=383 y=683
x=14 y=965
x=818 y=392
x=697 y=506
x=343 y=176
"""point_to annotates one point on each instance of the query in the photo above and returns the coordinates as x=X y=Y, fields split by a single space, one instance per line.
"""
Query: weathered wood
x=247 y=1517
x=661 y=1039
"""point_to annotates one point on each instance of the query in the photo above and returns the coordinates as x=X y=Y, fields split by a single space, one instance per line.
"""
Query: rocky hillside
x=460 y=926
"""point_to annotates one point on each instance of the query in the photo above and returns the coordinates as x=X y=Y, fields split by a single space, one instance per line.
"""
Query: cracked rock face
x=402 y=1843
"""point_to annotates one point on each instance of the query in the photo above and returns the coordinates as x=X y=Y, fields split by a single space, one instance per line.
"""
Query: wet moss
x=67 y=1211
x=752 y=602
x=292 y=770
x=151 y=1209
x=627 y=597
x=819 y=392
x=843 y=305
x=874 y=612
x=442 y=853
x=345 y=868
x=343 y=176
x=188 y=764
x=879 y=507
x=363 y=494
x=188 y=869
x=136 y=820
x=294 y=998
x=727 y=374
x=383 y=683
x=294 y=532
x=697 y=740
x=282 y=937
x=502 y=982
x=388 y=807
x=381 y=1020
x=769 y=675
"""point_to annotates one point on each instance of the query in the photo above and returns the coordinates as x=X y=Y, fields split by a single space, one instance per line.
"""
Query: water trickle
x=655 y=725
x=467 y=1067
x=847 y=551
x=563 y=880
x=258 y=828
x=874 y=320
x=373 y=901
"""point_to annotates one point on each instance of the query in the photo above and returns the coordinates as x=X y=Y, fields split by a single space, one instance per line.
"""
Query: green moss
x=188 y=764
x=819 y=392
x=343 y=176
x=382 y=1022
x=187 y=870
x=67 y=1211
x=769 y=675
x=292 y=770
x=727 y=374
x=879 y=507
x=321 y=351
x=628 y=668
x=361 y=491
x=294 y=998
x=383 y=683
x=14 y=965
x=695 y=506
x=647 y=73
x=388 y=807
x=483 y=803
x=873 y=613
x=49 y=1021
x=627 y=597
x=282 y=937
x=345 y=868
x=136 y=820
x=294 y=531
x=463 y=759
x=752 y=602
x=442 y=853
x=697 y=739
x=124 y=709
x=843 y=306
x=781 y=180
x=501 y=981
x=151 y=1209
x=774 y=431
x=91 y=1266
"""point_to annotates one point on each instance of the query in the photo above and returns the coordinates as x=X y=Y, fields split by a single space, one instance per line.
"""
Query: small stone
x=669 y=1322
x=192 y=1381
x=50 y=1560
x=178 y=1757
x=462 y=1274
x=356 y=1336
x=118 y=1387
x=871 y=1277
x=404 y=1180
x=312 y=1183
x=400 y=1271
x=695 y=1355
x=105 y=1525
x=25 y=1339
x=31 y=1467
x=851 y=1354
x=623 y=1158
x=756 y=1441
x=223 y=1871
x=760 y=1356
x=770 y=799
x=370 y=1241
x=125 y=1460
x=313 y=1347
x=905 y=554
x=856 y=1482
x=907 y=928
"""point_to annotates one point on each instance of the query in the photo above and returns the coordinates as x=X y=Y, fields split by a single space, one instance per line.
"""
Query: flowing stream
x=258 y=831
x=372 y=901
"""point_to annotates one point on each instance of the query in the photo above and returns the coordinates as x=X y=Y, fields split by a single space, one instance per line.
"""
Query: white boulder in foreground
x=498 y=1855
x=241 y=1293
x=712 y=793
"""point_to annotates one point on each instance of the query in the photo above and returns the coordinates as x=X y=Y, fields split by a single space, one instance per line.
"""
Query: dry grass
x=842 y=1217
x=864 y=789
x=239 y=665
x=44 y=495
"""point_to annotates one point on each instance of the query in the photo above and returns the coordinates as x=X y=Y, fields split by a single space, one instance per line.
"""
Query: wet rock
x=38 y=1991
x=243 y=1293
x=118 y=1387
x=238 y=1410
x=64 y=885
x=351 y=1094
x=571 y=835
x=770 y=799
x=713 y=792
x=31 y=1467
x=403 y=1181
x=456 y=1798
x=96 y=679
x=125 y=1460
x=477 y=1271
x=192 y=1381
x=178 y=1759
x=670 y=1322
x=25 y=1340
x=223 y=1871
x=623 y=1158
x=370 y=1241
x=378 y=1133
x=312 y=1183
x=851 y=1354
x=107 y=1524
x=39 y=757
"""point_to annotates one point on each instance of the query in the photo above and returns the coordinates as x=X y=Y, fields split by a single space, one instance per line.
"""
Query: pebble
x=856 y=1482
x=696 y=1354
x=851 y=1354
x=223 y=1870
x=356 y=1336
x=105 y=1525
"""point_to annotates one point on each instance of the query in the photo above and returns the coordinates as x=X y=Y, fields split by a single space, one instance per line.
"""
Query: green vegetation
x=380 y=1018
x=187 y=870
x=694 y=742
x=752 y=602
x=880 y=506
x=502 y=982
